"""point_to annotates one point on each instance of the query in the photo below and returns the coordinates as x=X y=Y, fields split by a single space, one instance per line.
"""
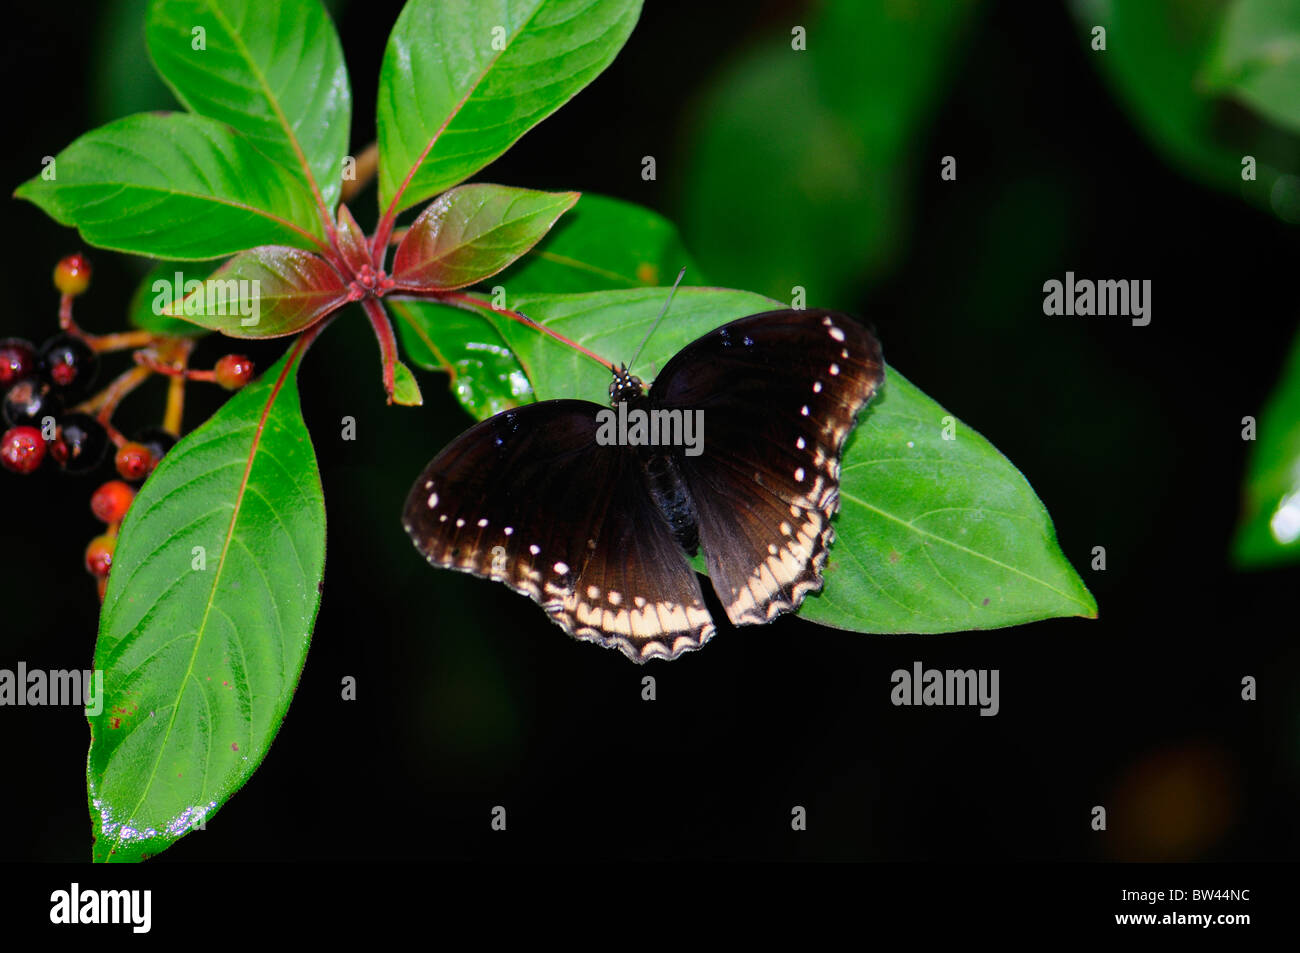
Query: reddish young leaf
x=471 y=232
x=264 y=292
x=352 y=241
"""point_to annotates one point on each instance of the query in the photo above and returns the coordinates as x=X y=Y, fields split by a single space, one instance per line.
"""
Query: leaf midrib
x=966 y=549
x=271 y=99
x=456 y=110
x=216 y=579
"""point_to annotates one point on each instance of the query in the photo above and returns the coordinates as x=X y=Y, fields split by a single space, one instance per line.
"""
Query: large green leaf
x=205 y=626
x=602 y=244
x=274 y=71
x=933 y=535
x=119 y=86
x=265 y=292
x=1269 y=531
x=1166 y=61
x=175 y=186
x=485 y=377
x=461 y=80
x=471 y=232
x=1258 y=58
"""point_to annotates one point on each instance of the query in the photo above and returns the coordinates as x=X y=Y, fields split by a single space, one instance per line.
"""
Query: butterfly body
x=597 y=532
x=663 y=477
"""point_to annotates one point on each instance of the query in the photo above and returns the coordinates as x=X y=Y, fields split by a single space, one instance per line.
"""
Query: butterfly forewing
x=780 y=392
x=529 y=498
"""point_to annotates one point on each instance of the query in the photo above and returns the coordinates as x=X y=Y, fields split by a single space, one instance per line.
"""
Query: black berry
x=79 y=443
x=29 y=402
x=158 y=441
x=68 y=363
x=17 y=360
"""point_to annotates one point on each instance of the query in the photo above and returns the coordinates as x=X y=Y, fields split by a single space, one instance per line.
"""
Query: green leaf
x=473 y=231
x=273 y=71
x=406 y=391
x=1257 y=58
x=206 y=622
x=933 y=535
x=119 y=86
x=600 y=245
x=485 y=377
x=832 y=152
x=149 y=302
x=177 y=187
x=939 y=535
x=462 y=80
x=265 y=292
x=1268 y=533
x=1164 y=60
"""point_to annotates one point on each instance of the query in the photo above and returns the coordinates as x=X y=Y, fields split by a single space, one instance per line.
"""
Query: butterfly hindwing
x=780 y=392
x=529 y=498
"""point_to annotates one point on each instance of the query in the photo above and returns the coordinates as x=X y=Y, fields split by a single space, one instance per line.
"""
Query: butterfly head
x=624 y=387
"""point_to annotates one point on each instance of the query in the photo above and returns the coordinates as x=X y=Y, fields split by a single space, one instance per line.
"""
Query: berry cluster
x=39 y=385
x=43 y=419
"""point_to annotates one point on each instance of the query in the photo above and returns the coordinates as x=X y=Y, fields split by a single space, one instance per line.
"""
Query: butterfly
x=598 y=530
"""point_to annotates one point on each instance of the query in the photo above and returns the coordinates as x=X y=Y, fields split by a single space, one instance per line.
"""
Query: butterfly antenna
x=662 y=312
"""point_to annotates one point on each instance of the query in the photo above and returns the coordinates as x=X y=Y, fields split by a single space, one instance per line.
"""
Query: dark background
x=469 y=698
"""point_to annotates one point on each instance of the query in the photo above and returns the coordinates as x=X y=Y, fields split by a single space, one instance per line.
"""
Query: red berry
x=22 y=449
x=17 y=360
x=134 y=461
x=234 y=371
x=111 y=501
x=72 y=274
x=99 y=555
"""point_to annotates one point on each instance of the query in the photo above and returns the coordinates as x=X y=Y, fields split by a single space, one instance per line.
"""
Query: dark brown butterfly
x=598 y=533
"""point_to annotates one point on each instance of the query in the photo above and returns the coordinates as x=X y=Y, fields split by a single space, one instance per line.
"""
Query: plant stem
x=175 y=412
x=175 y=406
x=470 y=303
x=121 y=341
x=367 y=166
x=106 y=401
x=387 y=343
